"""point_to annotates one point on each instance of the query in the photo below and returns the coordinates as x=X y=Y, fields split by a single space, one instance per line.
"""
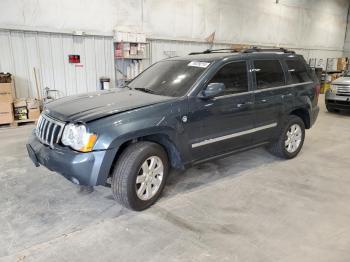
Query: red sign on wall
x=74 y=59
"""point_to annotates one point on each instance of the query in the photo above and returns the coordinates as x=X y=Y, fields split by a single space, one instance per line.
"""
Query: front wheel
x=140 y=174
x=330 y=109
x=291 y=139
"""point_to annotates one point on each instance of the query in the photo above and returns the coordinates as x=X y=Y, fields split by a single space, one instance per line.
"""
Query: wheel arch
x=304 y=114
x=162 y=139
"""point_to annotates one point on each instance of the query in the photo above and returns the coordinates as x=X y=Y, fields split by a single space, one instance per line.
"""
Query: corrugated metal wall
x=161 y=49
x=21 y=51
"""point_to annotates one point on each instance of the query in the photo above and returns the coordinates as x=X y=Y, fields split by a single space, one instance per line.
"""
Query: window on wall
x=269 y=73
x=298 y=72
x=235 y=77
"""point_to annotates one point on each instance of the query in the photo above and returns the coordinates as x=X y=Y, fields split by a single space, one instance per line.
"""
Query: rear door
x=271 y=92
x=221 y=124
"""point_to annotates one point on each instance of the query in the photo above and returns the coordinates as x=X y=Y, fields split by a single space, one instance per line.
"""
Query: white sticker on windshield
x=199 y=64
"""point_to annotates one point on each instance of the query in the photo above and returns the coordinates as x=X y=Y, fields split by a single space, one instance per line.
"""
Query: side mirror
x=212 y=90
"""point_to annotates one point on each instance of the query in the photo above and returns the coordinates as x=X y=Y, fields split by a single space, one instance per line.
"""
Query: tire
x=130 y=168
x=279 y=147
x=330 y=109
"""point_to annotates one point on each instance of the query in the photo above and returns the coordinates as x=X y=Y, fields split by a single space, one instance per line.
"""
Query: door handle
x=287 y=95
x=245 y=104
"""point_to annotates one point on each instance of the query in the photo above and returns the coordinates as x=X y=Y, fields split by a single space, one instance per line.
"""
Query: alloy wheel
x=294 y=138
x=149 y=178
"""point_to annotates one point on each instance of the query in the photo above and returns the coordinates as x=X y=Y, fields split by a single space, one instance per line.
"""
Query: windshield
x=169 y=78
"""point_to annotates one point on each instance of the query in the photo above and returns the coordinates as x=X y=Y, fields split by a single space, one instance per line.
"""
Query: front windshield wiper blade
x=146 y=90
x=126 y=86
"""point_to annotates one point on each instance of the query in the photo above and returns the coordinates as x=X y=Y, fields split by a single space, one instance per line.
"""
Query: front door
x=223 y=123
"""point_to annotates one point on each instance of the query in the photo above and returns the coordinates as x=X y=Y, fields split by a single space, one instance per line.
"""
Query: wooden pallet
x=17 y=123
x=22 y=122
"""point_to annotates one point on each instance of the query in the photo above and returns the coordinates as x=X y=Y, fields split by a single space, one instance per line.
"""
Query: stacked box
x=20 y=108
x=6 y=113
x=342 y=63
x=33 y=107
x=6 y=100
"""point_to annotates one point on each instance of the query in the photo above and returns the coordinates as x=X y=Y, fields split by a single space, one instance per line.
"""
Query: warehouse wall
x=347 y=39
x=21 y=52
x=314 y=28
x=310 y=24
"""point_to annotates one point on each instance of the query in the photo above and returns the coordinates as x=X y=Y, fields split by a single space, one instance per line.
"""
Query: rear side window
x=269 y=73
x=235 y=77
x=297 y=71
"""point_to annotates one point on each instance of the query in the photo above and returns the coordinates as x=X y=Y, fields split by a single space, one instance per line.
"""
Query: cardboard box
x=331 y=64
x=342 y=63
x=20 y=103
x=33 y=103
x=6 y=93
x=6 y=113
x=34 y=113
x=239 y=46
x=6 y=107
x=5 y=77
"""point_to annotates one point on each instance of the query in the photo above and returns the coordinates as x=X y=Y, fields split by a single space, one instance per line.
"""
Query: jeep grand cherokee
x=179 y=112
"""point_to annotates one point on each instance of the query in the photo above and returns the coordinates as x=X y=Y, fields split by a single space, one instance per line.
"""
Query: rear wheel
x=291 y=139
x=140 y=174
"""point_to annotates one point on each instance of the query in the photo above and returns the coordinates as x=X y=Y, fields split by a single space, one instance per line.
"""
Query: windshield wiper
x=126 y=86
x=146 y=90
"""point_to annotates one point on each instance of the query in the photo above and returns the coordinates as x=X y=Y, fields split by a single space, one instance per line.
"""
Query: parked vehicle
x=179 y=112
x=338 y=95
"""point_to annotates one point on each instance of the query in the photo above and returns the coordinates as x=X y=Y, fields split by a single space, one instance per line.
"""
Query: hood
x=342 y=81
x=91 y=106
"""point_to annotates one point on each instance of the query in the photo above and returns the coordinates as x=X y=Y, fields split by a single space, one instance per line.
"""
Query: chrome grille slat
x=40 y=126
x=49 y=131
x=59 y=134
x=53 y=135
x=44 y=130
x=343 y=89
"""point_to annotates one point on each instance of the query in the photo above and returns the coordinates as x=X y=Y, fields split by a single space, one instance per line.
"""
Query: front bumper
x=88 y=169
x=337 y=102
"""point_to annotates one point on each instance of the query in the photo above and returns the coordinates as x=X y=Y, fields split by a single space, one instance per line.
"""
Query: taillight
x=317 y=90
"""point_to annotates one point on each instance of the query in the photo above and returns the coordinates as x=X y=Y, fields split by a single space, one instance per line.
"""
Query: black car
x=179 y=112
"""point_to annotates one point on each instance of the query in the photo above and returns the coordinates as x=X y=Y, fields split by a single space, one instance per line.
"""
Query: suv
x=179 y=112
x=338 y=95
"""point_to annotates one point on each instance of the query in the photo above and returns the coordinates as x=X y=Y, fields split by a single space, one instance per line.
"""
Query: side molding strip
x=220 y=138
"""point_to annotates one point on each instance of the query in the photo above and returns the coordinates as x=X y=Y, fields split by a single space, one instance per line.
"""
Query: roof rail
x=209 y=51
x=257 y=49
x=248 y=50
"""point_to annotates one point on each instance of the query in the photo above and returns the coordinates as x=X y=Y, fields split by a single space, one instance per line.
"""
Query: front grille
x=343 y=90
x=49 y=131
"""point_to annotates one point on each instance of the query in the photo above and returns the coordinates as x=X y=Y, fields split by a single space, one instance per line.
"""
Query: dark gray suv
x=179 y=112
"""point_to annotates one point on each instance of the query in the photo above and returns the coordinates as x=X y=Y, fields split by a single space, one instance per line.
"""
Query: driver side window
x=235 y=77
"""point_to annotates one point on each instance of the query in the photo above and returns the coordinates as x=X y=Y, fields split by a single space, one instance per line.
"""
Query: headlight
x=77 y=137
x=333 y=88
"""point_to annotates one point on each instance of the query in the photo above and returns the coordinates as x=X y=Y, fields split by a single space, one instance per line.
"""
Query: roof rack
x=257 y=49
x=248 y=50
x=222 y=50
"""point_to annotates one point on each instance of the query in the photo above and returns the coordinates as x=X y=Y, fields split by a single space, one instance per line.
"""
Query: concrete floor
x=248 y=207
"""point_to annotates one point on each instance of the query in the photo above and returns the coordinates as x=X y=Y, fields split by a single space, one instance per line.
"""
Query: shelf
x=334 y=72
x=128 y=42
x=132 y=58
